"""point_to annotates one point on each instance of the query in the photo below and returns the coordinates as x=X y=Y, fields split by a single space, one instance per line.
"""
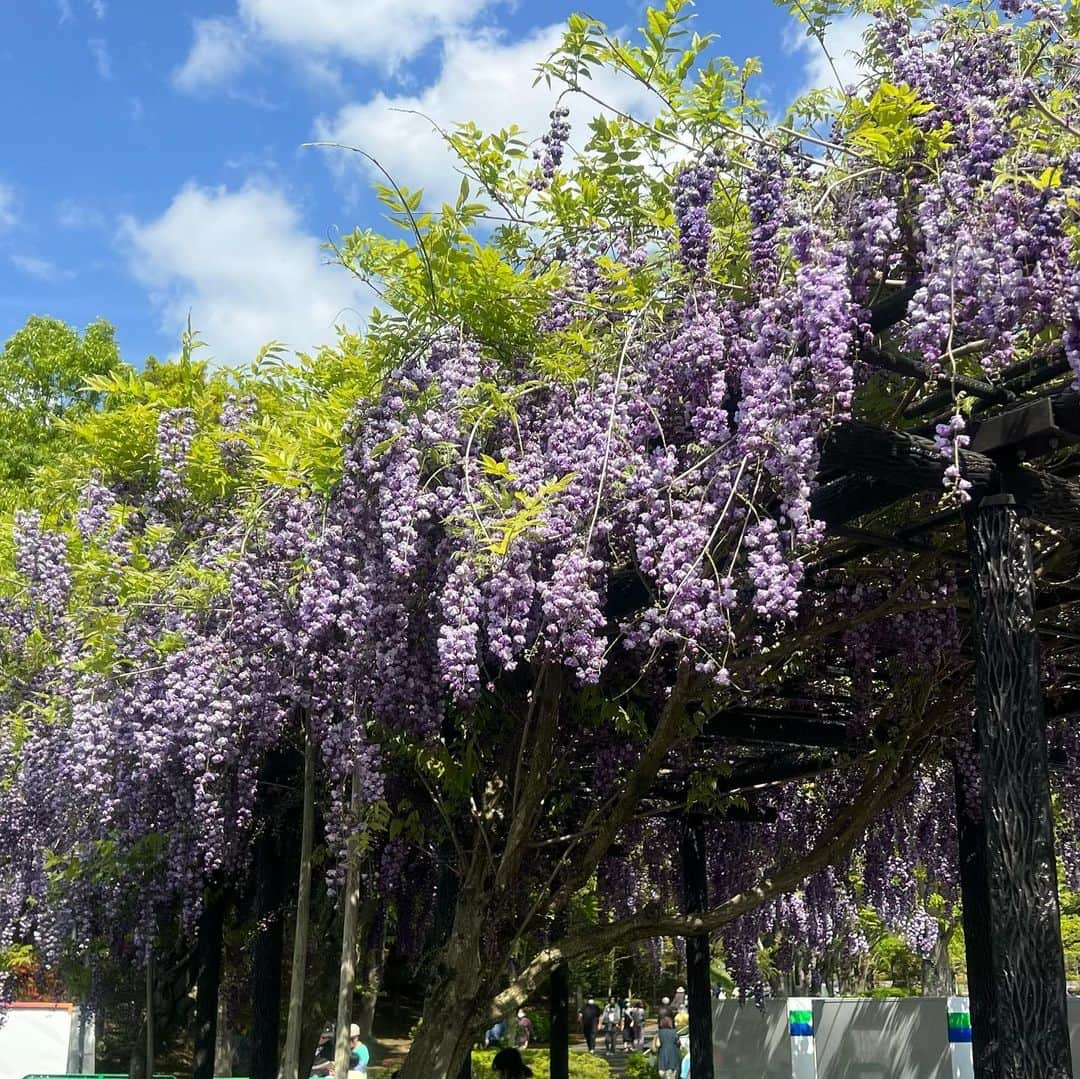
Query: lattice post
x=1019 y=1019
x=698 y=975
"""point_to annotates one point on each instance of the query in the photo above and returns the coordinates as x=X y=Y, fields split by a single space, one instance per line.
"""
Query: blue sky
x=154 y=162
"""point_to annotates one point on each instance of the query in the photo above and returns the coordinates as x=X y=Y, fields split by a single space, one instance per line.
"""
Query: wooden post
x=291 y=1069
x=559 y=1046
x=1019 y=1020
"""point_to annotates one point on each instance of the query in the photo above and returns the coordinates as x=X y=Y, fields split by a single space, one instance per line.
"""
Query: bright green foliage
x=44 y=368
x=639 y=1066
x=582 y=1066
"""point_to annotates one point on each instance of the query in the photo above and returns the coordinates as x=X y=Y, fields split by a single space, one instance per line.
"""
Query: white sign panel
x=34 y=1040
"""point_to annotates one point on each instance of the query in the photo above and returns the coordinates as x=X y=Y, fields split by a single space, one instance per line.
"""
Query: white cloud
x=8 y=217
x=220 y=51
x=66 y=11
x=482 y=79
x=72 y=214
x=42 y=269
x=102 y=60
x=843 y=43
x=380 y=32
x=383 y=31
x=241 y=263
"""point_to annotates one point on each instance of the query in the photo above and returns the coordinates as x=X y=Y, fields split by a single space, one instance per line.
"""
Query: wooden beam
x=778 y=770
x=893 y=309
x=778 y=727
x=910 y=462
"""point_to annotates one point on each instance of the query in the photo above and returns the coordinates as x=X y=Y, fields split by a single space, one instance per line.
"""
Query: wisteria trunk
x=453 y=1006
x=208 y=985
x=266 y=974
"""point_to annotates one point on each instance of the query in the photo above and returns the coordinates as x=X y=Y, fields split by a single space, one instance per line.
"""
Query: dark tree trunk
x=1016 y=969
x=698 y=975
x=452 y=1009
x=269 y=954
x=208 y=984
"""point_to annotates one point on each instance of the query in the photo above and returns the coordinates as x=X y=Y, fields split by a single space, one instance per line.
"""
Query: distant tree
x=43 y=371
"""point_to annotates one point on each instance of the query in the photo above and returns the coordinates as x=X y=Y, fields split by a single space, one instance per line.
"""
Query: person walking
x=665 y=1009
x=589 y=1016
x=524 y=1030
x=637 y=1014
x=668 y=1053
x=611 y=1021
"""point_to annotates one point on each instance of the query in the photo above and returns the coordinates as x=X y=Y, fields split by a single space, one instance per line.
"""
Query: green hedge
x=639 y=1066
x=582 y=1066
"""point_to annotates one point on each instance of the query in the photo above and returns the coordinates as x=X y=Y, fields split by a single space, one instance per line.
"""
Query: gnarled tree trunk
x=457 y=1003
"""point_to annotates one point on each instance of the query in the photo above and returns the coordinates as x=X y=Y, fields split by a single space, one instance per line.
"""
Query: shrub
x=639 y=1066
x=582 y=1066
x=541 y=1021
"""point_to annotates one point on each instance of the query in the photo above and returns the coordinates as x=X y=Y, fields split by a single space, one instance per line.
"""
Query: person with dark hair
x=637 y=1012
x=508 y=1064
x=589 y=1016
x=668 y=1052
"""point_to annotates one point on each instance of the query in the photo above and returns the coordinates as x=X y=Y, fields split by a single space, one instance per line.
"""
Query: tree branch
x=881 y=786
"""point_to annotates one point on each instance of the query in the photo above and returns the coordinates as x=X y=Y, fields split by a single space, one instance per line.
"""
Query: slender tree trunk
x=150 y=1011
x=225 y=1043
x=371 y=968
x=321 y=976
x=937 y=971
x=208 y=985
x=291 y=1068
x=347 y=981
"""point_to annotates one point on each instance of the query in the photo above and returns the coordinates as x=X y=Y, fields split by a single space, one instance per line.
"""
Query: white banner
x=34 y=1040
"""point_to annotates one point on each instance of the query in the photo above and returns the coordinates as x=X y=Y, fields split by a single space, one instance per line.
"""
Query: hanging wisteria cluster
x=636 y=517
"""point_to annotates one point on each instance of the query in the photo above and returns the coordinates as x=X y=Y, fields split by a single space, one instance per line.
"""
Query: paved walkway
x=617 y=1060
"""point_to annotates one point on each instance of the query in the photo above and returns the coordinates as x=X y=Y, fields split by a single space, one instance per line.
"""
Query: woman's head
x=666 y=1023
x=509 y=1065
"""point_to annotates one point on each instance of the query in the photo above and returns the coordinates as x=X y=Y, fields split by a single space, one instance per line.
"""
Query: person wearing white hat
x=358 y=1054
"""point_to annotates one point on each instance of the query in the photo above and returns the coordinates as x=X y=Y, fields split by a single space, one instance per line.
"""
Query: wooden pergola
x=1019 y=468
